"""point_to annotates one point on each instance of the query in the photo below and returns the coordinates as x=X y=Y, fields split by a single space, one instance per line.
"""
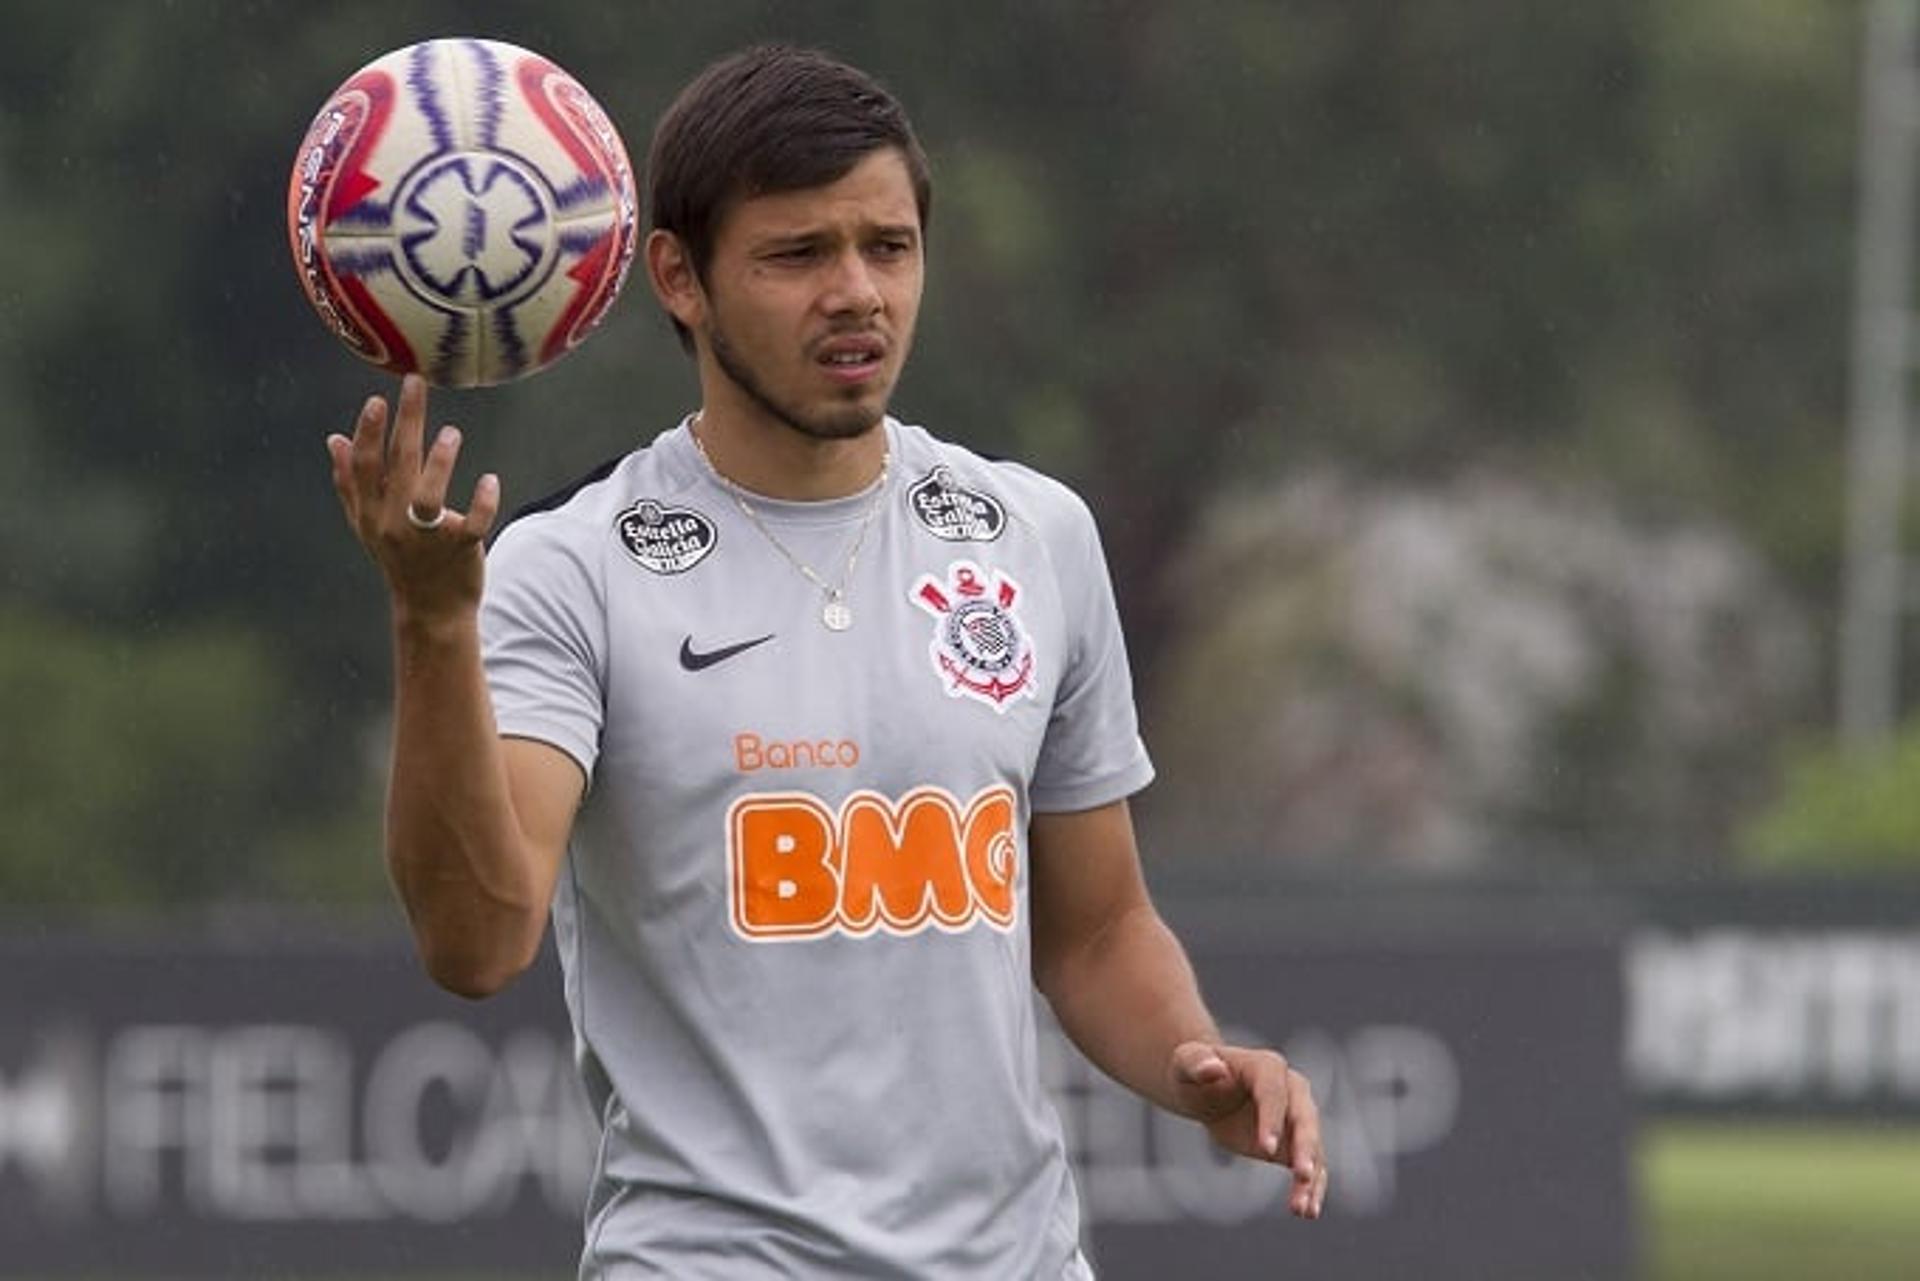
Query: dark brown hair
x=768 y=119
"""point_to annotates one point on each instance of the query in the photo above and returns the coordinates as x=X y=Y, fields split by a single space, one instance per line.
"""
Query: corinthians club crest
x=979 y=648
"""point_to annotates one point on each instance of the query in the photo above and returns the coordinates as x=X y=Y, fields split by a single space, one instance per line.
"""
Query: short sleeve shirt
x=793 y=916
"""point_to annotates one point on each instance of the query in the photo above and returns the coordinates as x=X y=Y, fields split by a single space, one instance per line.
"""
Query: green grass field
x=1779 y=1201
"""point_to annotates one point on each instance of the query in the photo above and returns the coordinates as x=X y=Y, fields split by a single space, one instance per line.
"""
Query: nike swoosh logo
x=697 y=661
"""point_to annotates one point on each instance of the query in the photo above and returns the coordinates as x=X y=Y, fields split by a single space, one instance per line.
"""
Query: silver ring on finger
x=418 y=521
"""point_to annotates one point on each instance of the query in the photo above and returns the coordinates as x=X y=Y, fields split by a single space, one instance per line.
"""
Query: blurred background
x=1496 y=415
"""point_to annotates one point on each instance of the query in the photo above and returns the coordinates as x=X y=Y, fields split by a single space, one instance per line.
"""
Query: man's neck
x=763 y=455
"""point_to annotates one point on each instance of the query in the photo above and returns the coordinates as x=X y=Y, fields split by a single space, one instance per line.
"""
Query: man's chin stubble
x=852 y=422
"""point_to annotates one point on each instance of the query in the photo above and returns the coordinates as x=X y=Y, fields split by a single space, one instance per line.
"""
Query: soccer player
x=814 y=733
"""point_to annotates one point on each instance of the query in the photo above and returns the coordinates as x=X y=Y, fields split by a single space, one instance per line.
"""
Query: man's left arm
x=1122 y=989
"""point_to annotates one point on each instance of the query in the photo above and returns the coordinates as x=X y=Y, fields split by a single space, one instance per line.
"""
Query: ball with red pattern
x=462 y=209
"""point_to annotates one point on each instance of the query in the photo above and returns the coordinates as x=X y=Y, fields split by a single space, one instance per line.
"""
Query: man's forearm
x=454 y=848
x=1127 y=997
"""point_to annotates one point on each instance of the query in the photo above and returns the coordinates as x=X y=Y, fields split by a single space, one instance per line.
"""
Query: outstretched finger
x=428 y=495
x=1272 y=1104
x=484 y=507
x=340 y=471
x=1308 y=1194
x=1303 y=1127
x=369 y=452
x=404 y=450
x=1306 y=1152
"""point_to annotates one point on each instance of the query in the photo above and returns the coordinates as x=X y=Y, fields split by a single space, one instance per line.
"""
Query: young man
x=815 y=734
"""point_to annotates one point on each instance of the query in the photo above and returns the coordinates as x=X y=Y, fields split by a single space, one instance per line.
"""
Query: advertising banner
x=188 y=1107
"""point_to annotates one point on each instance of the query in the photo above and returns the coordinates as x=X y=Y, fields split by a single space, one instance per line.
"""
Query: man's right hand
x=476 y=826
x=394 y=494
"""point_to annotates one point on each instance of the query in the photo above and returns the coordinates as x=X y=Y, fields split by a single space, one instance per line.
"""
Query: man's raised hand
x=1253 y=1103
x=393 y=490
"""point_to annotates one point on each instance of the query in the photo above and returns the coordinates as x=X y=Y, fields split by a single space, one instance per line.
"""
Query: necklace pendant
x=835 y=614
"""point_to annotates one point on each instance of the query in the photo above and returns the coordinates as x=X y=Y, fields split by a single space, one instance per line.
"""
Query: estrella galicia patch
x=666 y=540
x=954 y=513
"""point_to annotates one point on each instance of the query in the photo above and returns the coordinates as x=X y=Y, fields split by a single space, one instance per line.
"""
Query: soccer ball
x=463 y=209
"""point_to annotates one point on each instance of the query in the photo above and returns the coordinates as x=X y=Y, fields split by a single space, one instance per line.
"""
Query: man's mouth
x=851 y=359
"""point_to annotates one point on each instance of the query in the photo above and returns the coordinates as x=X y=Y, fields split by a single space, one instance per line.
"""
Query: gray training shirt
x=793 y=916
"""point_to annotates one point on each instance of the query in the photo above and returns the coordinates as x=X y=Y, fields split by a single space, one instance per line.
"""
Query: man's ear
x=675 y=283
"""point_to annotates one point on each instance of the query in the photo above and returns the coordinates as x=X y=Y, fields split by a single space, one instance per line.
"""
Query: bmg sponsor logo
x=797 y=869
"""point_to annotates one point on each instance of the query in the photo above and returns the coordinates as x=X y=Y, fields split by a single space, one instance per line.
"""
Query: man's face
x=812 y=296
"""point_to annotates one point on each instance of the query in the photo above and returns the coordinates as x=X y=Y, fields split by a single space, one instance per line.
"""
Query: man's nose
x=852 y=289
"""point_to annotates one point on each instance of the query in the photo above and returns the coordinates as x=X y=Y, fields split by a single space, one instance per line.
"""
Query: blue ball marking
x=456 y=243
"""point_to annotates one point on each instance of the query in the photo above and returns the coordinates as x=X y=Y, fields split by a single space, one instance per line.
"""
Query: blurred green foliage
x=141 y=766
x=1843 y=807
x=1176 y=250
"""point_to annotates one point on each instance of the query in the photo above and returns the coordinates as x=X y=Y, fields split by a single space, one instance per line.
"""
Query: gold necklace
x=835 y=614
